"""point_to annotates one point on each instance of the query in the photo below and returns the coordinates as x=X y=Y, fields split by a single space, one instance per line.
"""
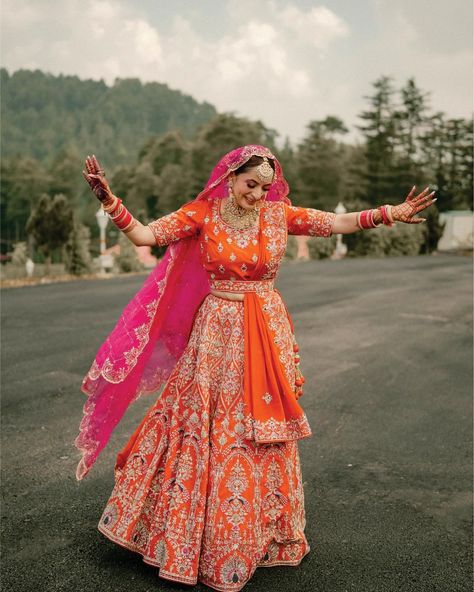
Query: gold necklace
x=237 y=217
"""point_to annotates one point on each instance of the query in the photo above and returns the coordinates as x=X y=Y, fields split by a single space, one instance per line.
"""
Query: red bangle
x=125 y=221
x=370 y=219
x=385 y=218
x=363 y=219
x=366 y=220
x=119 y=215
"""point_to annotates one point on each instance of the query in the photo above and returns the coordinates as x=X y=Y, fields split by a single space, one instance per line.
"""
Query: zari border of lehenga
x=193 y=582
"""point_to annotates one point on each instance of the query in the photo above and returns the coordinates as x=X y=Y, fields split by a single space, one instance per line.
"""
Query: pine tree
x=410 y=123
x=319 y=164
x=78 y=258
x=379 y=131
x=23 y=179
x=50 y=224
x=460 y=167
x=448 y=157
x=170 y=178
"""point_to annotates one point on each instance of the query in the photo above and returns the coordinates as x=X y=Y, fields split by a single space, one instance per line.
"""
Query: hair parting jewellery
x=264 y=171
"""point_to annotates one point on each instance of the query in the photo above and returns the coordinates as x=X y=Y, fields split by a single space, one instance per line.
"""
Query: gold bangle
x=388 y=209
x=109 y=207
x=377 y=224
x=117 y=213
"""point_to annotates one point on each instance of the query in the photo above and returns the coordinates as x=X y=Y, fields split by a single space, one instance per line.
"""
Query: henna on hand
x=412 y=205
x=95 y=177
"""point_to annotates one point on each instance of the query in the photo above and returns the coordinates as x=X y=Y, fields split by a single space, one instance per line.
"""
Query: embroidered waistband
x=241 y=285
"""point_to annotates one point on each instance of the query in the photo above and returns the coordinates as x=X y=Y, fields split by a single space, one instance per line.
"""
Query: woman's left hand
x=406 y=211
x=94 y=174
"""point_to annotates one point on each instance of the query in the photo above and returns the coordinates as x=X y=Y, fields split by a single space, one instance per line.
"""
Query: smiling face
x=248 y=189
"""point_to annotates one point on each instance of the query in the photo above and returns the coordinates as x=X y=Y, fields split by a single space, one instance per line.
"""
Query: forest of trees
x=43 y=115
x=159 y=146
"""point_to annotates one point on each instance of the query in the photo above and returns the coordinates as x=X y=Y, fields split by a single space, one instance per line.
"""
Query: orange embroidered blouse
x=228 y=254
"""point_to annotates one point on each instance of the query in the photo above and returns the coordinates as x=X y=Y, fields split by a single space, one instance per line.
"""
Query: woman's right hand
x=95 y=177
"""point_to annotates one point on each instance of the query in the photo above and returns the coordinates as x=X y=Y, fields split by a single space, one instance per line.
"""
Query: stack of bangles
x=365 y=219
x=119 y=214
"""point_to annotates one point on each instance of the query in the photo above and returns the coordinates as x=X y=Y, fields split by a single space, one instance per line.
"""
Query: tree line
x=44 y=115
x=403 y=143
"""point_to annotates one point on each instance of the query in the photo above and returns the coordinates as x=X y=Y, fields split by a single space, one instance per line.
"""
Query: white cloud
x=93 y=38
x=277 y=61
x=261 y=66
x=319 y=26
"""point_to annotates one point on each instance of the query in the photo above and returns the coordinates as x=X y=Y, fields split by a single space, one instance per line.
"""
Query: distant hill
x=42 y=115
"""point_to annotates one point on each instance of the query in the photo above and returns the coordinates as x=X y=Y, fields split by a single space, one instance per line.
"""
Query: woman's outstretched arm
x=180 y=224
x=404 y=212
x=135 y=231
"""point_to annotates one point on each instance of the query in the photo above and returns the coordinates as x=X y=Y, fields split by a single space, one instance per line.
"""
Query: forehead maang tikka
x=264 y=171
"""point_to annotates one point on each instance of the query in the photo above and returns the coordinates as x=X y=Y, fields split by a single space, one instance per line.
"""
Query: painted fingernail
x=434 y=199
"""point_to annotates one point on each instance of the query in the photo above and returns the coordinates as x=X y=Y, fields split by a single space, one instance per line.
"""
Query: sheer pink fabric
x=150 y=336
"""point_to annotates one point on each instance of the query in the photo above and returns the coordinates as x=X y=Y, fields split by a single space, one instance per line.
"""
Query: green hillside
x=43 y=115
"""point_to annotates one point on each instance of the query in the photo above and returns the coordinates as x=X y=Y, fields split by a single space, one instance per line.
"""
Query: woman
x=209 y=485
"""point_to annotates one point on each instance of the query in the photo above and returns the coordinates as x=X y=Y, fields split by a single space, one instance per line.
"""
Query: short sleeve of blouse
x=309 y=221
x=187 y=221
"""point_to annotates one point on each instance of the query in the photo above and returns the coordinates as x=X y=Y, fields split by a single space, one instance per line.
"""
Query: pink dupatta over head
x=153 y=330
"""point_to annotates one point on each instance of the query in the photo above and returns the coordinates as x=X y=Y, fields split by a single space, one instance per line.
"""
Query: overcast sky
x=283 y=62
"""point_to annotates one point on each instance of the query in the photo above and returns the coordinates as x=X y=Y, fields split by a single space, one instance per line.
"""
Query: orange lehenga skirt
x=191 y=495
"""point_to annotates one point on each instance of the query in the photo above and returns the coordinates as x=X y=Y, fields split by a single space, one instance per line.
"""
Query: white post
x=30 y=267
x=341 y=248
x=102 y=220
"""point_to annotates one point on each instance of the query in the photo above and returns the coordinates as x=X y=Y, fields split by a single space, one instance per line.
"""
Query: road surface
x=386 y=350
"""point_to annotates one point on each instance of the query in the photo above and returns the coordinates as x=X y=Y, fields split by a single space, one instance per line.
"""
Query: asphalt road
x=387 y=354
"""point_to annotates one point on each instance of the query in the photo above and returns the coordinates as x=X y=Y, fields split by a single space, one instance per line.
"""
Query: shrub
x=127 y=260
x=400 y=239
x=321 y=248
x=432 y=229
x=20 y=254
x=77 y=255
x=291 y=248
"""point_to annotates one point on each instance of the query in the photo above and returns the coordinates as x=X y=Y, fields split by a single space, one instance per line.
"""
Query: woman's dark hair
x=251 y=163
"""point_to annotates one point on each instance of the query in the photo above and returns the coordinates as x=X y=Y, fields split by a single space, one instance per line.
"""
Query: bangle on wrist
x=365 y=220
x=131 y=226
x=372 y=215
x=389 y=213
x=111 y=205
x=124 y=220
x=385 y=217
x=120 y=216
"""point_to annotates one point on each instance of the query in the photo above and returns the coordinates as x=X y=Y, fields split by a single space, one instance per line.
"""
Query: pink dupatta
x=139 y=354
